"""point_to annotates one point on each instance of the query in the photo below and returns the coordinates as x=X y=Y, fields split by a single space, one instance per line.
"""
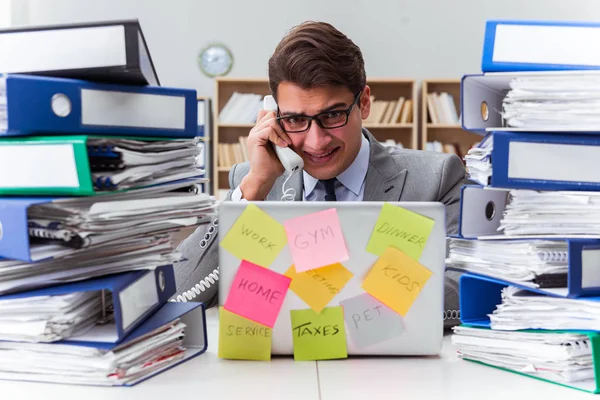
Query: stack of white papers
x=522 y=261
x=554 y=102
x=560 y=357
x=478 y=161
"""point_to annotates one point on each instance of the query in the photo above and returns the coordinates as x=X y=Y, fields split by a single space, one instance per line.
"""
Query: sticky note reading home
x=256 y=237
x=316 y=240
x=242 y=339
x=400 y=228
x=257 y=293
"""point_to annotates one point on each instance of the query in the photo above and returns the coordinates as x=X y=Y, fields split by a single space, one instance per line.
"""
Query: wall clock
x=215 y=60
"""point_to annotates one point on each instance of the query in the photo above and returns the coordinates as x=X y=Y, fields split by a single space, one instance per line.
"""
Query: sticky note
x=396 y=280
x=318 y=286
x=255 y=236
x=242 y=339
x=257 y=293
x=400 y=228
x=369 y=321
x=319 y=336
x=316 y=240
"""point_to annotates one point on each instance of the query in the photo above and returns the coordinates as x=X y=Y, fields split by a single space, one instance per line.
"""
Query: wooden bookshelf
x=440 y=127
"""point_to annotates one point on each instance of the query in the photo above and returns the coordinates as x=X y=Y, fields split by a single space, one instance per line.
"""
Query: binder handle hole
x=490 y=210
x=1 y=231
x=485 y=111
x=161 y=281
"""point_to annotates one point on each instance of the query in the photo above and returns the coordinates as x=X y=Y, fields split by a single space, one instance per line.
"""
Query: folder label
x=590 y=268
x=137 y=299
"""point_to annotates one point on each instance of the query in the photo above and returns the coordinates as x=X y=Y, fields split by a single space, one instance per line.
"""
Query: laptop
x=422 y=325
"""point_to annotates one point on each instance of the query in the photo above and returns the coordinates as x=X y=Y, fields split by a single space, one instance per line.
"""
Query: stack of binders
x=529 y=233
x=98 y=171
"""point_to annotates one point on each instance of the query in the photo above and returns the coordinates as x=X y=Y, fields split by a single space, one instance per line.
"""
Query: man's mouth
x=322 y=157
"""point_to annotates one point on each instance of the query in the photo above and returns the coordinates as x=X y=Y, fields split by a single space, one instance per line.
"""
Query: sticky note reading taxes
x=242 y=339
x=369 y=321
x=316 y=240
x=255 y=236
x=396 y=280
x=257 y=293
x=318 y=286
x=319 y=336
x=402 y=229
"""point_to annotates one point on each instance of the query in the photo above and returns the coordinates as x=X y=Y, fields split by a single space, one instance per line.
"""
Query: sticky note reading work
x=255 y=236
x=402 y=229
x=242 y=339
x=369 y=321
x=318 y=286
x=319 y=336
x=396 y=280
x=316 y=240
x=257 y=293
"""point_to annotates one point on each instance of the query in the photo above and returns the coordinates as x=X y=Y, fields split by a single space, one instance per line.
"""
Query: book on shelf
x=450 y=148
x=241 y=108
x=233 y=153
x=441 y=109
x=390 y=111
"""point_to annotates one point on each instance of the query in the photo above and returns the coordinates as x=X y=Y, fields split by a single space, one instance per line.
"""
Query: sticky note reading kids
x=255 y=236
x=402 y=229
x=319 y=336
x=242 y=339
x=370 y=322
x=396 y=280
x=257 y=293
x=316 y=240
x=318 y=286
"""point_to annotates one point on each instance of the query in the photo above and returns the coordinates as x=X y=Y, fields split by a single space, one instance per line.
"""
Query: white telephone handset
x=289 y=159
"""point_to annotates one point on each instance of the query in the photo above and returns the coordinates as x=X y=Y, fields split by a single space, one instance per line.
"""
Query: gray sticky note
x=369 y=321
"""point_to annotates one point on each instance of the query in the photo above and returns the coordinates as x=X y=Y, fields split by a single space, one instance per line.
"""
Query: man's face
x=326 y=152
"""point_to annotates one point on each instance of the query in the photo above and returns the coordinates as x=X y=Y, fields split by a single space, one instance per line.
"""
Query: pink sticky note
x=257 y=293
x=316 y=240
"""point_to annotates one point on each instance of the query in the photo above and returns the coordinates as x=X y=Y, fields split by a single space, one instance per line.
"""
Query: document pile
x=98 y=171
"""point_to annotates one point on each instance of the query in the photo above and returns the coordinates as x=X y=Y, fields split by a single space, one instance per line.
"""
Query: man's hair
x=315 y=54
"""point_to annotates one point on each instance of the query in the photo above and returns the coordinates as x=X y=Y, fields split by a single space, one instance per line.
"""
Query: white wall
x=5 y=19
x=399 y=38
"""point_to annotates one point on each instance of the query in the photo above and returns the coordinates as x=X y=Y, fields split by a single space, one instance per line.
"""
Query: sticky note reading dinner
x=402 y=229
x=319 y=336
x=256 y=237
x=242 y=339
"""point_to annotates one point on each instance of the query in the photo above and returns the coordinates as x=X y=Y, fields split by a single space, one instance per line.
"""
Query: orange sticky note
x=396 y=280
x=318 y=286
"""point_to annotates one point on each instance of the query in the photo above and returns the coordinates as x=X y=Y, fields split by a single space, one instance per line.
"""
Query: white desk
x=208 y=377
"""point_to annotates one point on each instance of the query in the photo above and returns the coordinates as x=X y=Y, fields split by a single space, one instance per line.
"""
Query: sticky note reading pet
x=318 y=286
x=316 y=240
x=396 y=280
x=319 y=336
x=402 y=229
x=242 y=339
x=256 y=237
x=257 y=293
x=369 y=321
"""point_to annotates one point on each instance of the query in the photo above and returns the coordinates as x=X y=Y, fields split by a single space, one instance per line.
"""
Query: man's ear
x=365 y=102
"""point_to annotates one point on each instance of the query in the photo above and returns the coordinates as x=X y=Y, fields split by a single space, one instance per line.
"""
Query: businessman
x=317 y=77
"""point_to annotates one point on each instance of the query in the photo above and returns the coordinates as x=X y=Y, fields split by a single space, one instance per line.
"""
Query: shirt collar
x=353 y=177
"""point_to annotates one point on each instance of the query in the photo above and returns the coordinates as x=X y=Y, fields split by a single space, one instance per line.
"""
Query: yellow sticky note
x=402 y=229
x=256 y=237
x=318 y=286
x=242 y=339
x=396 y=280
x=319 y=336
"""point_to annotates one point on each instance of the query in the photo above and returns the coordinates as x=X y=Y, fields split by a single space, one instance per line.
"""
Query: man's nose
x=317 y=138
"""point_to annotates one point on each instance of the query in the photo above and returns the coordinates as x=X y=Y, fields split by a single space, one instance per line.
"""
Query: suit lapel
x=385 y=179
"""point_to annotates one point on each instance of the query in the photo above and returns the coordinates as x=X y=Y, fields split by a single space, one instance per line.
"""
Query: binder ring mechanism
x=108 y=311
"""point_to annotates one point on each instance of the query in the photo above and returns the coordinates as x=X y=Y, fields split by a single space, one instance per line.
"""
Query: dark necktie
x=329 y=189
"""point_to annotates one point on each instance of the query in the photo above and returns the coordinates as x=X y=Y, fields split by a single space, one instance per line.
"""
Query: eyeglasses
x=326 y=120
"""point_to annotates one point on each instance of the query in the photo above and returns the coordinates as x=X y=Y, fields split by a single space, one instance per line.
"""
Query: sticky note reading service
x=318 y=286
x=255 y=236
x=402 y=229
x=316 y=240
x=257 y=293
x=242 y=339
x=319 y=336
x=396 y=280
x=369 y=321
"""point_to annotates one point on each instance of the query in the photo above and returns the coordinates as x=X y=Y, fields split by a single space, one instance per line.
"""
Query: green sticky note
x=319 y=336
x=243 y=339
x=400 y=228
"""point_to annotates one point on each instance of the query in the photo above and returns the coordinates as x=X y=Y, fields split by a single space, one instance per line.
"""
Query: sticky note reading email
x=396 y=280
x=369 y=321
x=402 y=229
x=242 y=339
x=318 y=286
x=255 y=236
x=319 y=336
x=257 y=293
x=316 y=240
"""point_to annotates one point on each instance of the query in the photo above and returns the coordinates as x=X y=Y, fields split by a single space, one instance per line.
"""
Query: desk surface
x=207 y=376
